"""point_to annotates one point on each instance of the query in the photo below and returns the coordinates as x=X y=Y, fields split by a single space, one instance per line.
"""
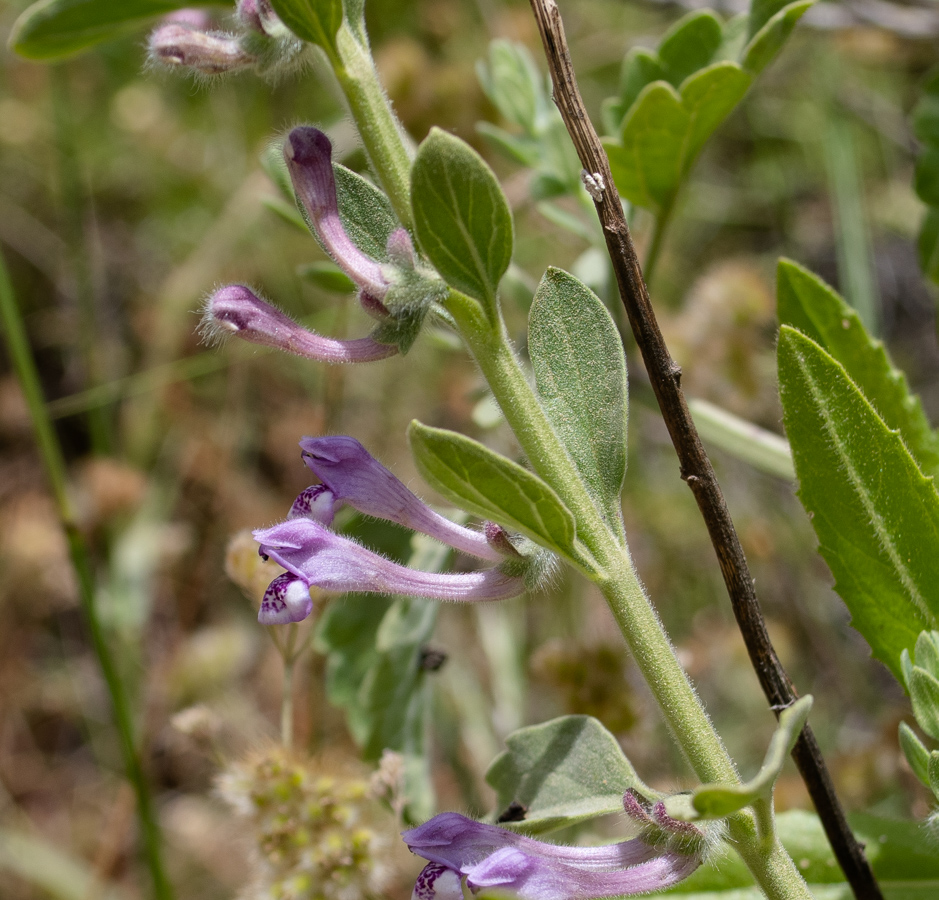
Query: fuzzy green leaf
x=493 y=487
x=52 y=29
x=768 y=41
x=461 y=216
x=315 y=21
x=875 y=513
x=561 y=772
x=580 y=374
x=924 y=692
x=916 y=754
x=805 y=302
x=366 y=213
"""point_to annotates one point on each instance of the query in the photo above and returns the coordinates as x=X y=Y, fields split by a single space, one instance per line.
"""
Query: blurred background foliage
x=126 y=194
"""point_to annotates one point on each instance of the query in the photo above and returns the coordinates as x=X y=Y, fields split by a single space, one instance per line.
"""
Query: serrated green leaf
x=805 y=302
x=689 y=45
x=493 y=487
x=924 y=693
x=315 y=21
x=564 y=771
x=461 y=216
x=665 y=130
x=580 y=375
x=768 y=41
x=52 y=29
x=714 y=801
x=916 y=754
x=876 y=515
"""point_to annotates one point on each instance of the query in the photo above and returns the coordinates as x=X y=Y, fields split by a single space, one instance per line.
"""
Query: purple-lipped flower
x=314 y=556
x=487 y=857
x=352 y=475
x=185 y=43
x=237 y=310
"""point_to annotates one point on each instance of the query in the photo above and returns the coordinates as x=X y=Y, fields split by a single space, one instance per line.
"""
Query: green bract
x=316 y=21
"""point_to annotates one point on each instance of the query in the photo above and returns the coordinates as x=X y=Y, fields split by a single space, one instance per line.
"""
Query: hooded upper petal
x=357 y=478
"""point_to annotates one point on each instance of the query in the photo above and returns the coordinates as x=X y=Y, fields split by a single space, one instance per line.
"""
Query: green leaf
x=761 y=11
x=493 y=487
x=926 y=652
x=719 y=800
x=315 y=21
x=932 y=771
x=327 y=276
x=924 y=692
x=461 y=216
x=768 y=41
x=580 y=375
x=901 y=854
x=916 y=754
x=665 y=130
x=876 y=515
x=52 y=29
x=640 y=67
x=513 y=84
x=927 y=245
x=689 y=45
x=805 y=302
x=564 y=771
x=366 y=213
x=926 y=177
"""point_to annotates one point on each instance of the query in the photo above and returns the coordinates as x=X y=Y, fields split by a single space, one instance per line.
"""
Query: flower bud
x=236 y=309
x=177 y=44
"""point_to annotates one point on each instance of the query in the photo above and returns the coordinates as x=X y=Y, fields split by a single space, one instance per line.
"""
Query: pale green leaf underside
x=316 y=21
x=461 y=216
x=488 y=485
x=580 y=375
x=875 y=514
x=564 y=771
x=52 y=29
x=805 y=302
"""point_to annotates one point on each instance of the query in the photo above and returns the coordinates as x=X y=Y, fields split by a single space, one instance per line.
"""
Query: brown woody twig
x=696 y=469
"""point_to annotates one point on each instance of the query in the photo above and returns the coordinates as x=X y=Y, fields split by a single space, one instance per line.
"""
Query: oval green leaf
x=493 y=487
x=461 y=216
x=315 y=21
x=580 y=375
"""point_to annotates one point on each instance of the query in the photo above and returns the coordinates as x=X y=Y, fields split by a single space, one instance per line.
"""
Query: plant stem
x=286 y=705
x=696 y=468
x=617 y=579
x=51 y=452
x=386 y=144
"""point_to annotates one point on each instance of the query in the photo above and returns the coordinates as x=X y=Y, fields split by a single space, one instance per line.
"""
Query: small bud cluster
x=318 y=835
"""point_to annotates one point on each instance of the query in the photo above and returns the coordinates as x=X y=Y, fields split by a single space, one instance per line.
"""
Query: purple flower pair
x=315 y=556
x=490 y=858
x=236 y=309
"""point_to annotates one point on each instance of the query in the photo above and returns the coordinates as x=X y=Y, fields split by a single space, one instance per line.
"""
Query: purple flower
x=354 y=476
x=487 y=856
x=316 y=557
x=177 y=43
x=308 y=153
x=237 y=310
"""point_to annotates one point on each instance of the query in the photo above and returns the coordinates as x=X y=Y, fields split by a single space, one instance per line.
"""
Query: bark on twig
x=696 y=469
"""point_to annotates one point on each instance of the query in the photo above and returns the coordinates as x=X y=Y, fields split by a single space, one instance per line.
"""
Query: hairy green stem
x=386 y=144
x=51 y=452
x=617 y=579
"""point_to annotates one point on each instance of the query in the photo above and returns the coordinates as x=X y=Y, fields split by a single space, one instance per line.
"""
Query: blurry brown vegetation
x=138 y=192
